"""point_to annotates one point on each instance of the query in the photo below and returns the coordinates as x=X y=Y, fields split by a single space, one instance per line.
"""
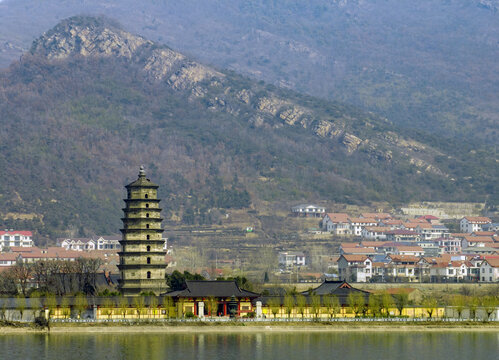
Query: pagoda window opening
x=148 y=238
x=146 y=196
x=148 y=246
x=148 y=260
x=147 y=226
x=147 y=215
x=147 y=205
x=148 y=274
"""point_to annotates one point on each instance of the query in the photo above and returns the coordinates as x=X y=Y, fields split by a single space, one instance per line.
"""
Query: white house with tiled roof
x=336 y=223
x=469 y=224
x=355 y=268
x=357 y=224
x=489 y=269
x=10 y=238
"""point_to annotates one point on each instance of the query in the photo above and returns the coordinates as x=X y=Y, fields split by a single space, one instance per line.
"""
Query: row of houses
x=95 y=243
x=412 y=268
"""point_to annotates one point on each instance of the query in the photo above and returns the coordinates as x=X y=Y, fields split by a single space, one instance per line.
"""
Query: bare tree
x=22 y=273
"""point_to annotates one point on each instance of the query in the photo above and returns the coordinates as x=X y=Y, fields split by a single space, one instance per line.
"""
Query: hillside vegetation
x=91 y=102
x=426 y=64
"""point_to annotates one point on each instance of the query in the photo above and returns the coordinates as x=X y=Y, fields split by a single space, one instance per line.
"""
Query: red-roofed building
x=10 y=238
x=8 y=259
x=336 y=223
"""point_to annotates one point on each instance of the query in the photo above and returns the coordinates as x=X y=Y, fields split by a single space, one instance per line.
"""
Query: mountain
x=90 y=102
x=426 y=64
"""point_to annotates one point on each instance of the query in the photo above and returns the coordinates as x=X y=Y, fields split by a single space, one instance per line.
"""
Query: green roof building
x=142 y=257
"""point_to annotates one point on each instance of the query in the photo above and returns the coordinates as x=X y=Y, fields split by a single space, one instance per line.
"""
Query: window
x=148 y=260
x=148 y=238
x=146 y=196
x=147 y=205
x=147 y=215
x=148 y=274
x=147 y=226
x=148 y=247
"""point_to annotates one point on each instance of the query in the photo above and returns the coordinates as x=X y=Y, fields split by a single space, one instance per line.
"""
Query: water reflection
x=267 y=345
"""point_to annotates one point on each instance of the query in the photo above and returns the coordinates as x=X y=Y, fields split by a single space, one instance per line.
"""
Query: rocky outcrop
x=351 y=142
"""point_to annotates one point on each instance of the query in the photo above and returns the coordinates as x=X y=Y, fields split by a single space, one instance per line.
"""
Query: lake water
x=275 y=346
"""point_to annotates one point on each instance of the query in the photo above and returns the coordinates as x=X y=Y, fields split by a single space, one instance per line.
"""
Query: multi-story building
x=355 y=268
x=489 y=269
x=469 y=224
x=10 y=238
x=357 y=224
x=336 y=223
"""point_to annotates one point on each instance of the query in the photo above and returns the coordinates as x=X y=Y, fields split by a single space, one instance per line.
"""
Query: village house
x=409 y=250
x=402 y=268
x=357 y=224
x=77 y=244
x=308 y=210
x=481 y=241
x=469 y=224
x=374 y=232
x=336 y=223
x=399 y=235
x=10 y=238
x=8 y=259
x=453 y=271
x=392 y=223
x=428 y=231
x=289 y=259
x=358 y=251
x=357 y=268
x=489 y=269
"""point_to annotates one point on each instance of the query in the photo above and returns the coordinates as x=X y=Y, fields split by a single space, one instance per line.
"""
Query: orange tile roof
x=484 y=233
x=373 y=244
x=338 y=217
x=407 y=258
x=484 y=239
x=411 y=225
x=376 y=215
x=363 y=221
x=492 y=260
x=8 y=257
x=459 y=234
x=424 y=225
x=377 y=229
x=393 y=222
x=355 y=258
x=360 y=250
x=478 y=219
x=409 y=248
x=349 y=244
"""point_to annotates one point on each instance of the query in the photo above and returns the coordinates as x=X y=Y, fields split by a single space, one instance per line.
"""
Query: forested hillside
x=426 y=64
x=91 y=102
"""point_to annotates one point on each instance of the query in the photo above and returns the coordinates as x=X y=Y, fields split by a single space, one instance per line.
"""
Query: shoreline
x=247 y=329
